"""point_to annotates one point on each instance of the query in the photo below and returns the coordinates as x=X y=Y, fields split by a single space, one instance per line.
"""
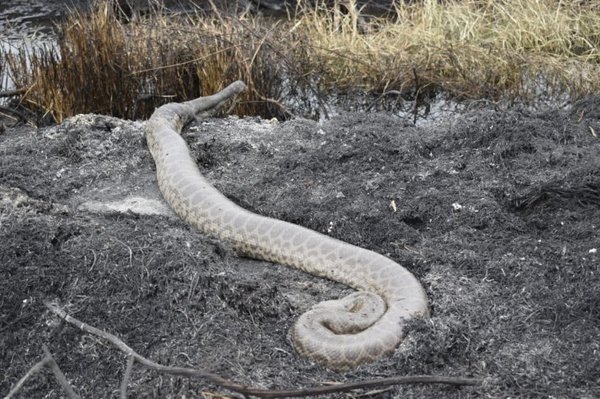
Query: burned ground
x=497 y=213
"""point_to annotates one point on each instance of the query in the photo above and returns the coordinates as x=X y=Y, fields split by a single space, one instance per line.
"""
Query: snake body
x=338 y=334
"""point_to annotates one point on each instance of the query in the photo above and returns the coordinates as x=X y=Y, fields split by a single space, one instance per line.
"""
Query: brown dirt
x=498 y=213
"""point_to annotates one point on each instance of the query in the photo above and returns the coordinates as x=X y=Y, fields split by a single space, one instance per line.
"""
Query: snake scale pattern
x=337 y=334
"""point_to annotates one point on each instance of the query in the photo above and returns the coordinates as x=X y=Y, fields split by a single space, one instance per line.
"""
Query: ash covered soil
x=497 y=213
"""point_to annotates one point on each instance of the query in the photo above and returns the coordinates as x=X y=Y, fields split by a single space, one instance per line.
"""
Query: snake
x=338 y=334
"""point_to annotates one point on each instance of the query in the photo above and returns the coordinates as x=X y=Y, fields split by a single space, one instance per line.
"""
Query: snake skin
x=337 y=334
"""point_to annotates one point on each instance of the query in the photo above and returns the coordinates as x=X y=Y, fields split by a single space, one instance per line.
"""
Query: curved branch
x=47 y=361
x=247 y=390
x=36 y=368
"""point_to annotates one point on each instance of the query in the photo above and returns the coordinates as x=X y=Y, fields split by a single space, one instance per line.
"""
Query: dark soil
x=497 y=212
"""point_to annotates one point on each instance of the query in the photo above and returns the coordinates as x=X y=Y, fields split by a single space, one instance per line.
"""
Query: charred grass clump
x=125 y=68
x=498 y=50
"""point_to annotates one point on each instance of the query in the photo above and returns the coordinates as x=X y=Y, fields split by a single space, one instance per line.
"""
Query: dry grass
x=104 y=65
x=473 y=48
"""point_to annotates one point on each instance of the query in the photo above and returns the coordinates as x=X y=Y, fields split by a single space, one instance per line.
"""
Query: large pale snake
x=338 y=334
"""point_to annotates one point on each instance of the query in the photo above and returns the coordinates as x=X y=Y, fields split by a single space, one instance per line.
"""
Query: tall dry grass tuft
x=2 y=68
x=102 y=64
x=469 y=48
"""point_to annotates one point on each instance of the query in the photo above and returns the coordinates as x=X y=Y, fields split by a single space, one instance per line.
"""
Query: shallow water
x=30 y=23
x=25 y=17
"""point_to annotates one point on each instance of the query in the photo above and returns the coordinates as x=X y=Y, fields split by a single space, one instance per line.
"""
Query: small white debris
x=134 y=204
x=330 y=228
x=593 y=250
x=393 y=206
x=456 y=206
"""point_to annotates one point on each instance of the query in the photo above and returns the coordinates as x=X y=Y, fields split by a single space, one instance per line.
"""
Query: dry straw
x=103 y=64
x=485 y=48
x=495 y=49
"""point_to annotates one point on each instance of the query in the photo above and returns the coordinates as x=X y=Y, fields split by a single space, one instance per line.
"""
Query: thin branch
x=417 y=92
x=32 y=371
x=282 y=107
x=58 y=374
x=246 y=390
x=385 y=93
x=47 y=361
x=127 y=376
x=12 y=93
x=6 y=110
x=379 y=382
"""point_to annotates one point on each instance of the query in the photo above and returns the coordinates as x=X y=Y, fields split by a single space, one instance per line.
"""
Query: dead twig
x=12 y=93
x=10 y=111
x=58 y=374
x=32 y=371
x=126 y=376
x=47 y=361
x=385 y=93
x=243 y=389
x=288 y=114
x=417 y=92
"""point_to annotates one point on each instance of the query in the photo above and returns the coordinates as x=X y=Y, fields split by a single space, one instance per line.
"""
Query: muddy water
x=19 y=17
x=30 y=23
x=24 y=17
